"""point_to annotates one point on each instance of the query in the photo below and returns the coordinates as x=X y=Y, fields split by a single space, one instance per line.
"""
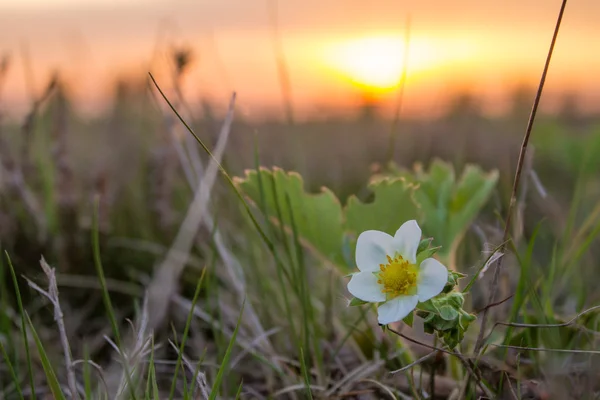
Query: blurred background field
x=80 y=122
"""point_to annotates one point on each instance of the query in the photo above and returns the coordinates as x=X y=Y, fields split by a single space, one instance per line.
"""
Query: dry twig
x=513 y=197
x=52 y=296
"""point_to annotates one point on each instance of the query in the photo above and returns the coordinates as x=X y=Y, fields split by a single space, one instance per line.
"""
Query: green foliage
x=23 y=324
x=453 y=278
x=186 y=331
x=445 y=316
x=393 y=204
x=318 y=217
x=573 y=153
x=11 y=371
x=320 y=221
x=445 y=206
x=450 y=205
x=51 y=378
x=357 y=302
x=225 y=363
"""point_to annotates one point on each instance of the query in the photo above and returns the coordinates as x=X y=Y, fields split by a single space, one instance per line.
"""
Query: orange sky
x=486 y=46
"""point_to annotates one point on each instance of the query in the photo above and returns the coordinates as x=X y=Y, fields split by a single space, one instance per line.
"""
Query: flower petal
x=406 y=240
x=396 y=309
x=364 y=286
x=372 y=247
x=433 y=276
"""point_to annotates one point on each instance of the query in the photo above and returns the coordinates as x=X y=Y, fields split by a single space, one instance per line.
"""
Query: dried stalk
x=52 y=296
x=515 y=188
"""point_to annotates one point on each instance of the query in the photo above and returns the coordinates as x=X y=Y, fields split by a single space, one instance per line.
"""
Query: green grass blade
x=100 y=271
x=23 y=324
x=305 y=375
x=224 y=363
x=522 y=286
x=151 y=385
x=197 y=372
x=239 y=391
x=310 y=325
x=5 y=322
x=105 y=294
x=186 y=331
x=11 y=371
x=266 y=239
x=51 y=379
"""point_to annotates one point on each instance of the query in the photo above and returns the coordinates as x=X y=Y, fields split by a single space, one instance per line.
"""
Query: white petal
x=372 y=247
x=406 y=240
x=433 y=276
x=396 y=309
x=364 y=286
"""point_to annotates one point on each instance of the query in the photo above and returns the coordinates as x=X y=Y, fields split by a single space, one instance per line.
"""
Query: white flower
x=389 y=274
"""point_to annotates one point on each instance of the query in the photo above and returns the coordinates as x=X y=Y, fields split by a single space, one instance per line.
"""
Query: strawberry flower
x=389 y=273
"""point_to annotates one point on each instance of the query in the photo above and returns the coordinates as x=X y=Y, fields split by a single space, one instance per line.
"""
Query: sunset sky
x=336 y=50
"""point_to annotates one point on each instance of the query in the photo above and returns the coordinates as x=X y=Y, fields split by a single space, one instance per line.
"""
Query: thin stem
x=515 y=188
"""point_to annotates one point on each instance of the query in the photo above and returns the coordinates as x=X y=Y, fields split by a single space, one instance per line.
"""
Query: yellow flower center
x=398 y=277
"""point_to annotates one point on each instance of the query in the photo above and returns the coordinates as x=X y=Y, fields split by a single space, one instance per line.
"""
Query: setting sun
x=375 y=62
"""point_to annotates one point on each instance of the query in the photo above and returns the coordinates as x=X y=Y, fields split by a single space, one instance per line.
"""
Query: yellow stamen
x=398 y=277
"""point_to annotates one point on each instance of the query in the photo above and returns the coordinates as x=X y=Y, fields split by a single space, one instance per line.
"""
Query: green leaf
x=357 y=302
x=428 y=306
x=449 y=206
x=321 y=223
x=408 y=320
x=427 y=253
x=456 y=300
x=318 y=217
x=440 y=324
x=424 y=245
x=434 y=196
x=465 y=319
x=51 y=379
x=471 y=194
x=453 y=278
x=393 y=205
x=448 y=313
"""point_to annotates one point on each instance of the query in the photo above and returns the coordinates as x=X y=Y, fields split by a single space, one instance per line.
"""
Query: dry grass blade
x=544 y=349
x=561 y=325
x=383 y=387
x=119 y=377
x=52 y=296
x=233 y=268
x=359 y=373
x=415 y=363
x=164 y=283
x=98 y=369
x=510 y=387
x=466 y=363
x=297 y=387
x=270 y=357
x=253 y=344
x=91 y=282
x=513 y=197
x=203 y=387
